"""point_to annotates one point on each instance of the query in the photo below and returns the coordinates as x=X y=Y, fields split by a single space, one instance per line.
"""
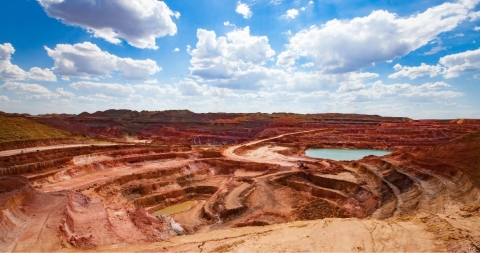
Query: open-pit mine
x=164 y=181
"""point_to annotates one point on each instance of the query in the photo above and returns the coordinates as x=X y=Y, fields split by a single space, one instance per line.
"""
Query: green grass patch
x=21 y=129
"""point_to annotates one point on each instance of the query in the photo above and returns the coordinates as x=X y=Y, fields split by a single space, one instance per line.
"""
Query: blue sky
x=419 y=59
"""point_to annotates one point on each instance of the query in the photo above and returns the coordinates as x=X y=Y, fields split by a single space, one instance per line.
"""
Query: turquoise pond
x=344 y=154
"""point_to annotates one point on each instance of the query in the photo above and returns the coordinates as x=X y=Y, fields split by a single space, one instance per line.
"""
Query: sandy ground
x=39 y=231
x=327 y=235
x=232 y=200
x=347 y=176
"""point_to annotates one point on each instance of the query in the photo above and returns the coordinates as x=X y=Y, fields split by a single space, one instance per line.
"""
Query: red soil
x=103 y=198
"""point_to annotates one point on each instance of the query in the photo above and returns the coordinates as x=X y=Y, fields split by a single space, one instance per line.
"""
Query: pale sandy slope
x=327 y=235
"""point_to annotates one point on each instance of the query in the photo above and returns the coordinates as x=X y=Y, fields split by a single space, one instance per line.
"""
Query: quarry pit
x=263 y=194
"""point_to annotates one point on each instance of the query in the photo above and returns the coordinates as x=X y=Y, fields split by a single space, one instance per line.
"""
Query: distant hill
x=22 y=129
x=221 y=128
x=135 y=123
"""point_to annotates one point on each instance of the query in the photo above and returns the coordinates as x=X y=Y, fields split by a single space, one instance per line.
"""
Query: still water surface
x=344 y=154
x=176 y=208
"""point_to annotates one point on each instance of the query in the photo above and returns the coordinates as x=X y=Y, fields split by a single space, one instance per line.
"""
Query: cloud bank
x=87 y=60
x=138 y=22
x=341 y=46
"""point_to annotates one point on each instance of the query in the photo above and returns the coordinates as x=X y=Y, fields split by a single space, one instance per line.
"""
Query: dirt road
x=264 y=154
x=35 y=149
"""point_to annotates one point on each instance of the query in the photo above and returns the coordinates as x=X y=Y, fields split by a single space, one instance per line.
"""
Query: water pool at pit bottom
x=176 y=208
x=344 y=154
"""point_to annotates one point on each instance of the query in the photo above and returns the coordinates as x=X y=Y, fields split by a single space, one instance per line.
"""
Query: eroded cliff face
x=260 y=195
x=15 y=193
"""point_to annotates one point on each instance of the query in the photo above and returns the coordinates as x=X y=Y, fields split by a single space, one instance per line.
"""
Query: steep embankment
x=15 y=192
x=463 y=152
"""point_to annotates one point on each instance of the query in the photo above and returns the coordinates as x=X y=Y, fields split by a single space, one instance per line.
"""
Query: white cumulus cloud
x=449 y=66
x=107 y=89
x=414 y=72
x=474 y=16
x=227 y=23
x=227 y=58
x=156 y=91
x=94 y=99
x=9 y=71
x=22 y=88
x=86 y=60
x=42 y=74
x=35 y=91
x=139 y=22
x=244 y=10
x=64 y=93
x=457 y=64
x=291 y=14
x=189 y=87
x=349 y=45
x=378 y=91
x=308 y=65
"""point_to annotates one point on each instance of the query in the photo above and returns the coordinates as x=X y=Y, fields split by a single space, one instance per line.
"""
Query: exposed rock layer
x=423 y=197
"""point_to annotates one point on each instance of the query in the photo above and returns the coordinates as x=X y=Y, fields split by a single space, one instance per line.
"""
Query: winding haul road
x=265 y=155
